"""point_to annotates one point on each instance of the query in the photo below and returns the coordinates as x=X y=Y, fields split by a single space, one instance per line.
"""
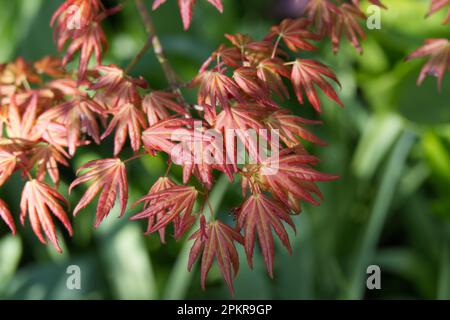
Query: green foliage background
x=390 y=144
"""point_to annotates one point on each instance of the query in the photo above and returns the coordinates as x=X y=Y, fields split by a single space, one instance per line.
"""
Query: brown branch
x=153 y=40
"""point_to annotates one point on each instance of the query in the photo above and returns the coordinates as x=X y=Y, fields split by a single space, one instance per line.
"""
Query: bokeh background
x=390 y=145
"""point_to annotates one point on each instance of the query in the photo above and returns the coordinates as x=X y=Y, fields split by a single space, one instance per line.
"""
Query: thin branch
x=138 y=57
x=169 y=72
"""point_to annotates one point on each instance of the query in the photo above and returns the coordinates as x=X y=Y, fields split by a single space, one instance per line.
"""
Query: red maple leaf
x=307 y=73
x=216 y=89
x=270 y=71
x=51 y=66
x=38 y=200
x=157 y=105
x=240 y=122
x=127 y=118
x=160 y=137
x=258 y=216
x=294 y=33
x=46 y=158
x=321 y=12
x=118 y=86
x=170 y=204
x=161 y=184
x=22 y=117
x=108 y=177
x=89 y=42
x=291 y=128
x=8 y=163
x=6 y=216
x=246 y=78
x=78 y=115
x=186 y=8
x=438 y=51
x=216 y=239
x=290 y=178
x=346 y=21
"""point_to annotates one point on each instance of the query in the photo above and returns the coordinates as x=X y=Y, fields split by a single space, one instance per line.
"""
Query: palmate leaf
x=161 y=184
x=270 y=72
x=108 y=177
x=216 y=240
x=291 y=128
x=127 y=118
x=294 y=33
x=7 y=165
x=78 y=115
x=258 y=216
x=348 y=21
x=438 y=51
x=174 y=204
x=321 y=12
x=116 y=88
x=306 y=74
x=6 y=216
x=290 y=178
x=216 y=89
x=46 y=158
x=160 y=137
x=38 y=200
x=157 y=105
x=186 y=8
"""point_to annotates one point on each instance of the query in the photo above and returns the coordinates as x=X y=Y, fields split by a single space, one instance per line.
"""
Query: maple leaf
x=38 y=200
x=307 y=73
x=438 y=51
x=51 y=66
x=253 y=51
x=186 y=8
x=8 y=163
x=199 y=152
x=291 y=128
x=108 y=177
x=216 y=88
x=346 y=21
x=241 y=121
x=258 y=216
x=161 y=184
x=168 y=204
x=157 y=105
x=80 y=12
x=46 y=157
x=21 y=123
x=437 y=5
x=321 y=12
x=216 y=239
x=289 y=177
x=118 y=86
x=246 y=78
x=127 y=118
x=269 y=71
x=78 y=115
x=90 y=42
x=17 y=74
x=6 y=216
x=294 y=33
x=159 y=137
x=230 y=56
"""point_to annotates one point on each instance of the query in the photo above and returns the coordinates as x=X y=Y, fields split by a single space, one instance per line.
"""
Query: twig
x=169 y=72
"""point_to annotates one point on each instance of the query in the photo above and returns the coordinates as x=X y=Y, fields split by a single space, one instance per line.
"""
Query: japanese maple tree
x=48 y=112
